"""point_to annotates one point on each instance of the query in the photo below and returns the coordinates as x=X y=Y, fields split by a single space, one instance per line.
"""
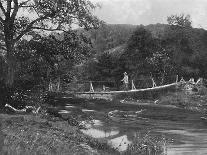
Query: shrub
x=146 y=144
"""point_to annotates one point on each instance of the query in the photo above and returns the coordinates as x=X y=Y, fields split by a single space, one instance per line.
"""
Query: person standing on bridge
x=126 y=81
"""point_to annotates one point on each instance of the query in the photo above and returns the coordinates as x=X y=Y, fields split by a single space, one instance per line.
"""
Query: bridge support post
x=133 y=86
x=176 y=79
x=91 y=87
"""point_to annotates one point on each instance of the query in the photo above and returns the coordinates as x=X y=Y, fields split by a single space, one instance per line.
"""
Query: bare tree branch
x=8 y=8
x=55 y=29
x=16 y=8
x=2 y=8
x=29 y=27
x=23 y=3
x=35 y=9
x=27 y=6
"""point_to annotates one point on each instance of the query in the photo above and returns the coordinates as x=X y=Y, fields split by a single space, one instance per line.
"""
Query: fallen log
x=26 y=109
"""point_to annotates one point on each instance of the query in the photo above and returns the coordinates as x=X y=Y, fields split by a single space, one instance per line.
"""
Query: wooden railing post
x=91 y=87
x=133 y=86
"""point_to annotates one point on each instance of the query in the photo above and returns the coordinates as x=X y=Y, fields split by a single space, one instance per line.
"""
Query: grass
x=195 y=101
x=29 y=134
x=146 y=144
x=43 y=135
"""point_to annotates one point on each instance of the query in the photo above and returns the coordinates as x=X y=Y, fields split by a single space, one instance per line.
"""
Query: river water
x=184 y=131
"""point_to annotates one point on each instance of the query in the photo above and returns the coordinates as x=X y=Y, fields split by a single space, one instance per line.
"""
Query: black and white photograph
x=103 y=77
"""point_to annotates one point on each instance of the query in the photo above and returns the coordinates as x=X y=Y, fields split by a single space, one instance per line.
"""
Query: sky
x=146 y=12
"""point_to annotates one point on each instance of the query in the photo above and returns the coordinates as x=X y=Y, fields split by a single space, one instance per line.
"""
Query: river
x=184 y=131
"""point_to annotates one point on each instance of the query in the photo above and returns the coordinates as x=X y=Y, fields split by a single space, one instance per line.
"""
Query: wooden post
x=133 y=86
x=91 y=87
x=176 y=79
x=104 y=88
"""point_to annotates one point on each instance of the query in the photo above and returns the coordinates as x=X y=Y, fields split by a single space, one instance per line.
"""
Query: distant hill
x=111 y=36
x=190 y=53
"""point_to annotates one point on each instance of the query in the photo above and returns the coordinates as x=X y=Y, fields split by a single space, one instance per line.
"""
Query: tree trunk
x=11 y=64
x=10 y=72
x=58 y=84
x=10 y=59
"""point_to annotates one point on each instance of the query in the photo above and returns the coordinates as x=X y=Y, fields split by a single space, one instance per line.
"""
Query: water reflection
x=69 y=106
x=87 y=110
x=186 y=134
x=98 y=133
x=64 y=112
x=191 y=142
x=112 y=135
x=120 y=143
x=97 y=123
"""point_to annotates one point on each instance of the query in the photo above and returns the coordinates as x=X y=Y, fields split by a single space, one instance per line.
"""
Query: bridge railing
x=86 y=86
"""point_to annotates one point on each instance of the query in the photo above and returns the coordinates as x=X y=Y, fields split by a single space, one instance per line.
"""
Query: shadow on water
x=184 y=131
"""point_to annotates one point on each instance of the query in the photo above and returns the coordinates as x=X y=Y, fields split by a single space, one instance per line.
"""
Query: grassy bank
x=38 y=135
x=183 y=99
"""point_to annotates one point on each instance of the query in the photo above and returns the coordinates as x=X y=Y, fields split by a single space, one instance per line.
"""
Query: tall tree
x=161 y=65
x=48 y=15
x=140 y=46
x=179 y=40
x=181 y=20
x=51 y=57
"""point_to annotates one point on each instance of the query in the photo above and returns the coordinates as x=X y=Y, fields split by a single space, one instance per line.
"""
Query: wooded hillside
x=187 y=47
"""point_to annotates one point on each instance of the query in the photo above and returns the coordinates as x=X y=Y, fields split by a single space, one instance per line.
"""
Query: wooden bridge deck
x=130 y=91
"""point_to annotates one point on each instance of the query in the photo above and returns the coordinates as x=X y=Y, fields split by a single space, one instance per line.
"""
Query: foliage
x=192 y=101
x=48 y=57
x=180 y=42
x=140 y=46
x=61 y=14
x=105 y=70
x=13 y=96
x=147 y=144
x=161 y=65
x=181 y=20
x=47 y=15
x=41 y=59
x=107 y=67
x=110 y=36
x=184 y=45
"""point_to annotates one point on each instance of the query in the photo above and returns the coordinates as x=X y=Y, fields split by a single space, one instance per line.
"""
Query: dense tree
x=46 y=58
x=161 y=65
x=181 y=20
x=111 y=36
x=139 y=47
x=180 y=43
x=49 y=15
x=175 y=48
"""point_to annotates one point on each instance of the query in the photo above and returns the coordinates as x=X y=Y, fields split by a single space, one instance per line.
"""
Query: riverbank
x=43 y=134
x=37 y=134
x=182 y=99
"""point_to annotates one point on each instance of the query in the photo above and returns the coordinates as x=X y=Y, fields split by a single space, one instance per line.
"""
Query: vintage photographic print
x=103 y=77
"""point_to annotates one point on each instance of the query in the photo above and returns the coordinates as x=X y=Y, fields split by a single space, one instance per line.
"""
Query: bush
x=19 y=95
x=144 y=144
